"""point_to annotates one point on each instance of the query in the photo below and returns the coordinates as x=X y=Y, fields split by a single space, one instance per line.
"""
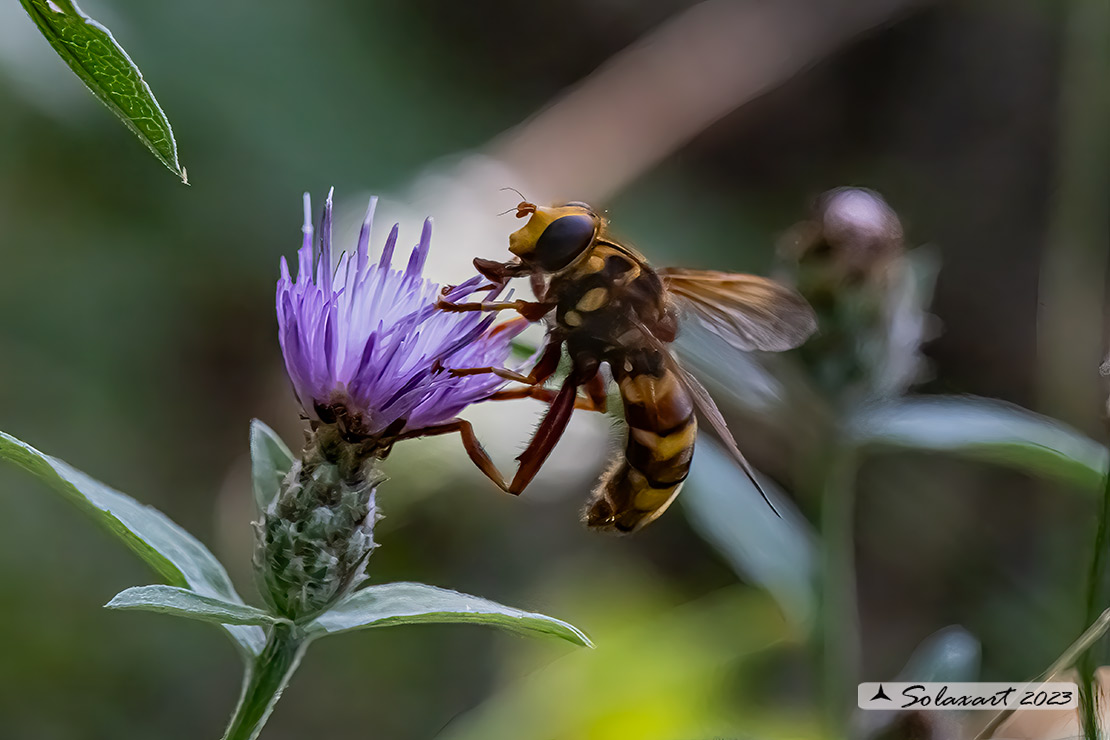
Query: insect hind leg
x=474 y=449
x=547 y=435
x=531 y=460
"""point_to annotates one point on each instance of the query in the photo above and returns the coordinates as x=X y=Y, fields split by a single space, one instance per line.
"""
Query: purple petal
x=387 y=250
x=363 y=247
x=420 y=252
x=306 y=229
x=324 y=264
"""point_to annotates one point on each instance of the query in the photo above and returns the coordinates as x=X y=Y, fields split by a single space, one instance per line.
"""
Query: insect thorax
x=603 y=298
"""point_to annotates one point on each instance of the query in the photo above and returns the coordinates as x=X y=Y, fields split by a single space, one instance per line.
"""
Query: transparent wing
x=747 y=311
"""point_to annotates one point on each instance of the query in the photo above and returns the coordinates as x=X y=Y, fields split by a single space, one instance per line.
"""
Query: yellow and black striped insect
x=604 y=302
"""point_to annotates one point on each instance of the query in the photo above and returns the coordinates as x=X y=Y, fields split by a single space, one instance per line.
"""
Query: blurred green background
x=139 y=339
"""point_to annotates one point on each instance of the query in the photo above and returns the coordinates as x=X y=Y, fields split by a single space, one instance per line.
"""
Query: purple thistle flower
x=365 y=343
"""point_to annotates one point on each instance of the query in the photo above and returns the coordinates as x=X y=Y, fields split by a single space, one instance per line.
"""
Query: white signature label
x=966 y=696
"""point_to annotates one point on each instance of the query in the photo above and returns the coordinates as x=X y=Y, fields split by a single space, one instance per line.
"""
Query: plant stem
x=840 y=639
x=1073 y=290
x=1097 y=596
x=266 y=679
x=1067 y=659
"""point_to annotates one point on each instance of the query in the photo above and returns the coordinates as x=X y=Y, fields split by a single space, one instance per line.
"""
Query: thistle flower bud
x=851 y=239
x=850 y=262
x=316 y=535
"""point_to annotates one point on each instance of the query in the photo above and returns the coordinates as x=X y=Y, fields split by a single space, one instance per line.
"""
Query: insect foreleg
x=547 y=395
x=500 y=372
x=531 y=310
x=598 y=392
x=544 y=368
x=539 y=285
x=500 y=272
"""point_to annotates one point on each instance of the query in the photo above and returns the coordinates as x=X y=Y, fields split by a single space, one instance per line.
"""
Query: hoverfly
x=606 y=304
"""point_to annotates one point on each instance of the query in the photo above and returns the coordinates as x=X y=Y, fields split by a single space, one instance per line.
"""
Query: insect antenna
x=515 y=191
x=523 y=208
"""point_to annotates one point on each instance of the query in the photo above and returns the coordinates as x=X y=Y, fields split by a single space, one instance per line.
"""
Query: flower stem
x=1073 y=290
x=1098 y=590
x=266 y=679
x=840 y=640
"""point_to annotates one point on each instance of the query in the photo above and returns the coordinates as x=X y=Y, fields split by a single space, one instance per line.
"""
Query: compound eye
x=563 y=240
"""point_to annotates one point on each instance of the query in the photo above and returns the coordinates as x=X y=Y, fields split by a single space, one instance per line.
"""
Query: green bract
x=270 y=461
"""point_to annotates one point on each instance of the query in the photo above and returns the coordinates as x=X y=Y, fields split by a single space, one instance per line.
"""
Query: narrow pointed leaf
x=174 y=554
x=106 y=69
x=270 y=461
x=776 y=552
x=988 y=430
x=417 y=603
x=181 y=602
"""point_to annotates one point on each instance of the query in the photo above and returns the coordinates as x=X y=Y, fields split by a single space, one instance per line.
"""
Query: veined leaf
x=174 y=554
x=181 y=602
x=270 y=461
x=102 y=64
x=985 y=429
x=417 y=603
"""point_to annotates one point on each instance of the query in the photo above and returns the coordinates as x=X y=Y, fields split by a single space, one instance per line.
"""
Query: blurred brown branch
x=652 y=98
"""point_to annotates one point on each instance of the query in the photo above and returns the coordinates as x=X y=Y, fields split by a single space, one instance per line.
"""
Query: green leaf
x=174 y=554
x=988 y=430
x=950 y=654
x=777 y=552
x=181 y=602
x=270 y=461
x=416 y=603
x=102 y=64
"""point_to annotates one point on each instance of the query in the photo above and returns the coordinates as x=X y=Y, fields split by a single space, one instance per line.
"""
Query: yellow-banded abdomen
x=661 y=432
